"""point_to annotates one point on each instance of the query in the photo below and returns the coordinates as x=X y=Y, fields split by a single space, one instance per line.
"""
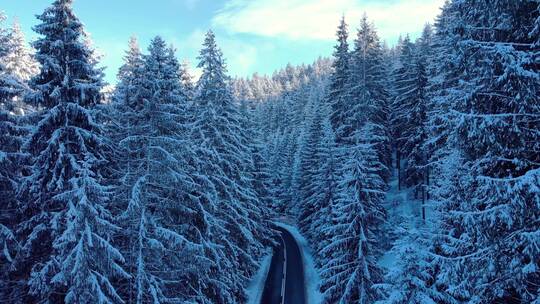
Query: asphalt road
x=287 y=260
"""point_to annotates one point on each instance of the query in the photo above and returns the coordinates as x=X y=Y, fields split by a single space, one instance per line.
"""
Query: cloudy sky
x=255 y=35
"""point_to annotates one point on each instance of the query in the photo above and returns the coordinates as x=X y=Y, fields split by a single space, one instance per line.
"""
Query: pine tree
x=306 y=160
x=410 y=110
x=309 y=164
x=220 y=145
x=261 y=176
x=10 y=86
x=349 y=274
x=279 y=172
x=12 y=159
x=168 y=220
x=339 y=81
x=488 y=210
x=319 y=205
x=412 y=279
x=62 y=33
x=405 y=93
x=19 y=60
x=369 y=97
x=66 y=252
x=20 y=65
x=187 y=80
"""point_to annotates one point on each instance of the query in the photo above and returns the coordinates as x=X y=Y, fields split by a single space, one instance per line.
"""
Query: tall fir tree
x=489 y=207
x=19 y=60
x=66 y=254
x=340 y=81
x=221 y=147
x=349 y=274
x=11 y=86
x=368 y=94
x=167 y=217
x=62 y=33
x=12 y=160
x=318 y=209
x=309 y=162
x=412 y=278
x=410 y=109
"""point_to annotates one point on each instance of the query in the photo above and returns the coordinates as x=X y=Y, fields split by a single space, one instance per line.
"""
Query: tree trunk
x=398 y=167
x=424 y=179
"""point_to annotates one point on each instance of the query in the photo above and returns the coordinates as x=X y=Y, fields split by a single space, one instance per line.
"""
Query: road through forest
x=285 y=283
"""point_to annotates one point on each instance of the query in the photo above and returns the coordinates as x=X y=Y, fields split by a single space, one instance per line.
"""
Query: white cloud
x=317 y=19
x=241 y=57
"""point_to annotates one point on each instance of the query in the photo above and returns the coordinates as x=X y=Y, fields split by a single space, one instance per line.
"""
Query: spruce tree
x=368 y=94
x=10 y=85
x=219 y=139
x=67 y=254
x=167 y=217
x=309 y=163
x=412 y=279
x=12 y=162
x=404 y=99
x=317 y=212
x=59 y=49
x=410 y=109
x=488 y=212
x=339 y=80
x=349 y=274
x=19 y=60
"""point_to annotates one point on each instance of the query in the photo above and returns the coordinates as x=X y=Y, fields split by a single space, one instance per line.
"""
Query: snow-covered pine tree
x=219 y=139
x=187 y=80
x=444 y=74
x=168 y=221
x=309 y=163
x=10 y=86
x=417 y=171
x=410 y=109
x=412 y=278
x=66 y=254
x=305 y=160
x=322 y=192
x=489 y=212
x=19 y=60
x=254 y=176
x=351 y=270
x=443 y=79
x=369 y=97
x=261 y=175
x=20 y=64
x=278 y=158
x=339 y=81
x=404 y=90
x=123 y=115
x=11 y=167
x=62 y=33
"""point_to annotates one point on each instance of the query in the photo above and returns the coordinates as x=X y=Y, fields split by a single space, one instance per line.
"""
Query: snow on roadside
x=256 y=287
x=310 y=272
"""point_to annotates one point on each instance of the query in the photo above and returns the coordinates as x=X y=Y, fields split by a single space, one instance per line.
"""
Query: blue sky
x=255 y=35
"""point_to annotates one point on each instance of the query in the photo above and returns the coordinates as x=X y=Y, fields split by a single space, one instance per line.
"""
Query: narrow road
x=285 y=281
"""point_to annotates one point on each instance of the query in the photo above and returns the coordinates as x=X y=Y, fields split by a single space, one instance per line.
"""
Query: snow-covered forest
x=413 y=171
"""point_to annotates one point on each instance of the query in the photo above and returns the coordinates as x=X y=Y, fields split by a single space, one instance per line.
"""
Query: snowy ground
x=402 y=208
x=404 y=211
x=310 y=272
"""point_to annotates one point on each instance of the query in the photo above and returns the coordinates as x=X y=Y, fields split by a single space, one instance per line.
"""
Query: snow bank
x=313 y=296
x=256 y=287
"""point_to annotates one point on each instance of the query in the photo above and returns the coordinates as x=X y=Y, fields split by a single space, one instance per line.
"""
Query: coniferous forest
x=413 y=171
